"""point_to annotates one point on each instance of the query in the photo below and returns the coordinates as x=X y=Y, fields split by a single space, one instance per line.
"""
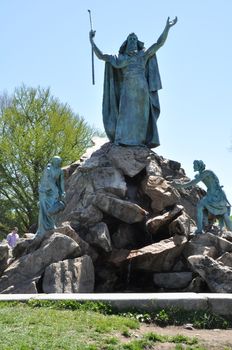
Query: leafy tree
x=34 y=126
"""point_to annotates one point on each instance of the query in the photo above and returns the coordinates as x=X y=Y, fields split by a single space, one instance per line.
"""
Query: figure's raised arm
x=185 y=184
x=96 y=50
x=160 y=42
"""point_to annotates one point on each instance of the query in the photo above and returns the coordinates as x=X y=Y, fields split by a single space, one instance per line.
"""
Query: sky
x=45 y=43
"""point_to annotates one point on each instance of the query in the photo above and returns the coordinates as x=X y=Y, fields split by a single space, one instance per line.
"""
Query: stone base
x=212 y=302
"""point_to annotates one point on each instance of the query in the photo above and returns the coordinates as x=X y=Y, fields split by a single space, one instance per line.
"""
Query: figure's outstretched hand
x=63 y=196
x=171 y=23
x=92 y=35
x=175 y=184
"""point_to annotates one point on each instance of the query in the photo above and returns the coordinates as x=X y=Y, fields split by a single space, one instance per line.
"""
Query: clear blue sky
x=46 y=43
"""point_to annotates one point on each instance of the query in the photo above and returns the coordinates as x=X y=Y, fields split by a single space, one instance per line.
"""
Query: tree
x=34 y=126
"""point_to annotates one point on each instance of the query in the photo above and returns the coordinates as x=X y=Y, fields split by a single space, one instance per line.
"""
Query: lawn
x=25 y=326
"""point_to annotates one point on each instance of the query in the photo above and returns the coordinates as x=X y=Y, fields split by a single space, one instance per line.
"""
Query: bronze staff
x=93 y=79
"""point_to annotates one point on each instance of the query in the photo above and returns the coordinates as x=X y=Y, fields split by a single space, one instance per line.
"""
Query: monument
x=130 y=98
x=125 y=226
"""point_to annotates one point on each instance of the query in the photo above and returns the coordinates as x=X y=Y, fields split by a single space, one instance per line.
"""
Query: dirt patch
x=214 y=339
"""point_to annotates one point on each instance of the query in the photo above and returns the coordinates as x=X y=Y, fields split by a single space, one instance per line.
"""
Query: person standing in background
x=13 y=237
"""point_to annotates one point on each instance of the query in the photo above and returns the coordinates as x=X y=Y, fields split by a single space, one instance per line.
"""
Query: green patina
x=215 y=202
x=130 y=99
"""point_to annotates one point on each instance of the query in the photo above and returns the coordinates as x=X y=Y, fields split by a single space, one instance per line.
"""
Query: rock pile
x=124 y=228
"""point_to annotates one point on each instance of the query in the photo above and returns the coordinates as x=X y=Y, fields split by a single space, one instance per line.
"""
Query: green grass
x=40 y=328
x=202 y=319
x=199 y=319
x=70 y=325
x=170 y=316
x=149 y=340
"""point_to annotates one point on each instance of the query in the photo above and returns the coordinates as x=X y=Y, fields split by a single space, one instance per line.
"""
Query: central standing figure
x=130 y=100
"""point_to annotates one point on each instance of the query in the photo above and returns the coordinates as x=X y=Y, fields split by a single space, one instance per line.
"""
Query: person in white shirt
x=13 y=237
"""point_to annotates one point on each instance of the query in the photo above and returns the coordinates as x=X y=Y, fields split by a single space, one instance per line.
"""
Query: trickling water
x=128 y=273
x=149 y=234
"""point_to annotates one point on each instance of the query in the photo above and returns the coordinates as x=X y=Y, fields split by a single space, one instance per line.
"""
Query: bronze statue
x=130 y=100
x=215 y=201
x=51 y=195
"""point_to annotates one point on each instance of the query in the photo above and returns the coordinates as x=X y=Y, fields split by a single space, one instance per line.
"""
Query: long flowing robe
x=215 y=200
x=50 y=190
x=130 y=100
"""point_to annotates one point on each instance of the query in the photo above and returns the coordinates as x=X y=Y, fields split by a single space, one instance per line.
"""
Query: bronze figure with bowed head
x=215 y=202
x=51 y=195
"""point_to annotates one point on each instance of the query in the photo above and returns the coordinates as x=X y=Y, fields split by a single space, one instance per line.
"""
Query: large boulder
x=181 y=228
x=70 y=276
x=99 y=236
x=227 y=235
x=225 y=259
x=4 y=255
x=67 y=230
x=156 y=257
x=197 y=285
x=26 y=287
x=154 y=224
x=108 y=179
x=123 y=210
x=183 y=225
x=173 y=280
x=96 y=156
x=21 y=247
x=171 y=169
x=162 y=194
x=28 y=267
x=88 y=215
x=79 y=191
x=189 y=197
x=207 y=244
x=130 y=160
x=153 y=167
x=217 y=276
